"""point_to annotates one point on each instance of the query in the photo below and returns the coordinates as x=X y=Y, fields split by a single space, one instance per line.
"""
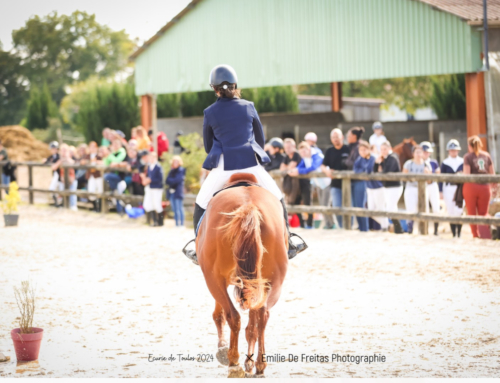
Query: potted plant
x=9 y=206
x=26 y=338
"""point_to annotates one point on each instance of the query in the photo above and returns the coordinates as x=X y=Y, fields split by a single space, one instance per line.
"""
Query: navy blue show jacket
x=232 y=127
x=156 y=176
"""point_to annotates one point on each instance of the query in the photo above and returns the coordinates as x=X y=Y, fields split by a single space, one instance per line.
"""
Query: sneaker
x=308 y=227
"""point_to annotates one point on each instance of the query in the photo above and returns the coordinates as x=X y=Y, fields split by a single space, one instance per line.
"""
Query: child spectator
x=175 y=191
x=432 y=188
x=377 y=138
x=143 y=142
x=52 y=160
x=153 y=191
x=363 y=164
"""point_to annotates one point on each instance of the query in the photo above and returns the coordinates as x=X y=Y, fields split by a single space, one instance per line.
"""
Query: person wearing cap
x=274 y=149
x=311 y=138
x=432 y=188
x=453 y=164
x=234 y=140
x=378 y=137
x=178 y=148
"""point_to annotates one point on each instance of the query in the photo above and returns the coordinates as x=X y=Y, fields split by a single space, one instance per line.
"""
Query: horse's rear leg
x=220 y=321
x=262 y=318
x=251 y=335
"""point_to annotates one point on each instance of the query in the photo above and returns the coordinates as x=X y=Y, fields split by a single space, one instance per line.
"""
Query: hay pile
x=21 y=145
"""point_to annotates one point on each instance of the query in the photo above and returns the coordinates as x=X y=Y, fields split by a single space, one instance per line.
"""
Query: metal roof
x=469 y=10
x=285 y=42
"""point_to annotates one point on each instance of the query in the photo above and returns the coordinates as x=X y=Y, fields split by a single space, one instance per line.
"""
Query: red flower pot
x=27 y=346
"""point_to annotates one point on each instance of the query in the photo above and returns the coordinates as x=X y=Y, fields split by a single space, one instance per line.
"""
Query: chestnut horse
x=405 y=150
x=242 y=242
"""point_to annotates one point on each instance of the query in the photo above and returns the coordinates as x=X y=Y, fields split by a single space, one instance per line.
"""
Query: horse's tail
x=244 y=232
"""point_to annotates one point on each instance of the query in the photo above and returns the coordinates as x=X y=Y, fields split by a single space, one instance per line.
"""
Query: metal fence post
x=66 y=188
x=30 y=183
x=346 y=202
x=422 y=208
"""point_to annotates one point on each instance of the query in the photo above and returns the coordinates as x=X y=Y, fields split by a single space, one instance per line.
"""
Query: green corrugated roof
x=285 y=42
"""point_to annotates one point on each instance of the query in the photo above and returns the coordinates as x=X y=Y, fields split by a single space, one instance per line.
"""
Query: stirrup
x=191 y=254
x=294 y=249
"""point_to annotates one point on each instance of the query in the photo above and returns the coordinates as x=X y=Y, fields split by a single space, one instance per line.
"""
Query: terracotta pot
x=27 y=346
x=11 y=219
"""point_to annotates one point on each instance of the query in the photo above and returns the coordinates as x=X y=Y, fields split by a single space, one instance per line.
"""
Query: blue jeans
x=337 y=201
x=5 y=181
x=178 y=208
x=113 y=179
x=358 y=194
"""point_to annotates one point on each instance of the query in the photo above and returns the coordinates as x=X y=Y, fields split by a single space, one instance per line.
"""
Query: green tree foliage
x=448 y=98
x=193 y=104
x=167 y=105
x=40 y=108
x=12 y=89
x=192 y=157
x=58 y=49
x=97 y=104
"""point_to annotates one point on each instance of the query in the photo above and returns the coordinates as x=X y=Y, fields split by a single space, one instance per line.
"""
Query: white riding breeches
x=433 y=193
x=448 y=196
x=411 y=199
x=95 y=185
x=152 y=199
x=218 y=177
x=376 y=201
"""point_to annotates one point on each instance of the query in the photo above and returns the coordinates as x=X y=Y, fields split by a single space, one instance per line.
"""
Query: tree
x=448 y=98
x=59 y=49
x=40 y=108
x=167 y=105
x=13 y=91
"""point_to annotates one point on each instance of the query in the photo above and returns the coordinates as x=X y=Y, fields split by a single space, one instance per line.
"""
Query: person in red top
x=477 y=196
x=162 y=140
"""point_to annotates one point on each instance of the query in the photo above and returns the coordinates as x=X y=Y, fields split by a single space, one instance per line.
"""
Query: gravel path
x=113 y=291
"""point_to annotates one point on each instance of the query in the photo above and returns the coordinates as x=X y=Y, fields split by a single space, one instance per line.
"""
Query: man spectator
x=335 y=160
x=311 y=138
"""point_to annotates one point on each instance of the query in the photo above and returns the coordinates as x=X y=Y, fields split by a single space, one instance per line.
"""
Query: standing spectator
x=378 y=137
x=66 y=159
x=106 y=139
x=477 y=196
x=274 y=149
x=416 y=165
x=175 y=191
x=5 y=173
x=363 y=164
x=432 y=188
x=153 y=191
x=375 y=196
x=291 y=186
x=81 y=174
x=52 y=160
x=178 y=148
x=388 y=162
x=143 y=142
x=116 y=183
x=133 y=133
x=161 y=141
x=335 y=160
x=94 y=176
x=309 y=163
x=137 y=166
x=311 y=138
x=353 y=137
x=453 y=164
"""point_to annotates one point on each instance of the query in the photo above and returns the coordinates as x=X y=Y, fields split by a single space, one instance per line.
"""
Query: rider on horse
x=234 y=140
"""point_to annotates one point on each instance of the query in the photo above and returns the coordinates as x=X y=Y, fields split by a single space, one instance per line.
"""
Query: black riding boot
x=160 y=219
x=453 y=229
x=398 y=229
x=459 y=230
x=191 y=254
x=154 y=218
x=148 y=217
x=293 y=249
x=436 y=227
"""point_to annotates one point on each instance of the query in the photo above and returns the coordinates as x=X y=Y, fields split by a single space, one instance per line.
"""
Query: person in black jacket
x=175 y=191
x=153 y=191
x=274 y=149
x=388 y=162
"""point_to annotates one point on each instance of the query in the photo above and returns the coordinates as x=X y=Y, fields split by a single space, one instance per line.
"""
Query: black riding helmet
x=223 y=73
x=276 y=142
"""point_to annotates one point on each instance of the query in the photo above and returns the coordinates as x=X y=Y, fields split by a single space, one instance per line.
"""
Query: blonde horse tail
x=243 y=231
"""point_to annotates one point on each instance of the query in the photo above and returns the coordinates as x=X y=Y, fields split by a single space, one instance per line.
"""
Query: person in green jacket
x=115 y=179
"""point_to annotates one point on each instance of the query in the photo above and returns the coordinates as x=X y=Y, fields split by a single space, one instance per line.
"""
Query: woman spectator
x=291 y=186
x=388 y=162
x=375 y=196
x=353 y=137
x=363 y=164
x=81 y=174
x=153 y=193
x=114 y=159
x=453 y=164
x=137 y=166
x=175 y=191
x=66 y=159
x=93 y=176
x=432 y=188
x=143 y=142
x=274 y=149
x=309 y=163
x=416 y=165
x=477 y=196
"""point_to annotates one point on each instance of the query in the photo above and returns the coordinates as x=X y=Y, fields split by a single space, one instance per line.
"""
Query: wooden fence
x=422 y=217
x=66 y=193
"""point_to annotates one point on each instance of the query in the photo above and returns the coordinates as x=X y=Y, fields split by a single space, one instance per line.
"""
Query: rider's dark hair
x=231 y=92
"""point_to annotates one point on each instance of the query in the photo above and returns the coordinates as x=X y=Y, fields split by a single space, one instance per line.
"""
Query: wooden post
x=476 y=106
x=296 y=133
x=66 y=188
x=104 y=200
x=422 y=206
x=146 y=111
x=30 y=183
x=336 y=88
x=346 y=202
x=154 y=124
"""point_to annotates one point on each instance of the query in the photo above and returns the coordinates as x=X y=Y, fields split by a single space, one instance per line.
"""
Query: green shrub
x=448 y=96
x=40 y=108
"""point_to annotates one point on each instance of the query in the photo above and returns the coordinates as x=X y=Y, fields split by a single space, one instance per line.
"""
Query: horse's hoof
x=254 y=376
x=222 y=356
x=236 y=372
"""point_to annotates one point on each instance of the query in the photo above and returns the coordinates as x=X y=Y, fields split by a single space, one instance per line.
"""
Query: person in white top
x=377 y=138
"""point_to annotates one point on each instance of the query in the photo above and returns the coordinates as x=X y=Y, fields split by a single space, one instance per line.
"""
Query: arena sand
x=113 y=291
